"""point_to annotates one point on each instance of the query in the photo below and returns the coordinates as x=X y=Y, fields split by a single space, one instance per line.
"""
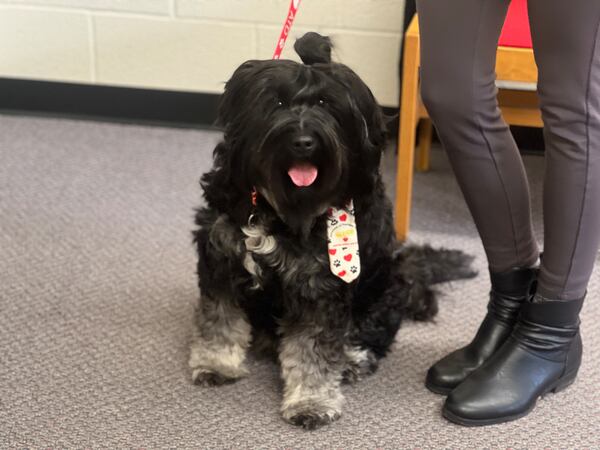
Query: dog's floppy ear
x=373 y=130
x=232 y=98
x=366 y=110
x=369 y=124
x=314 y=48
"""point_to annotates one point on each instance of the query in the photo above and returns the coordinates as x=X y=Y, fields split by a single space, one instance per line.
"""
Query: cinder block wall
x=189 y=44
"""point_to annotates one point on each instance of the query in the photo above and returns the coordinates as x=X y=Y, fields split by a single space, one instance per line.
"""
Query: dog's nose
x=304 y=143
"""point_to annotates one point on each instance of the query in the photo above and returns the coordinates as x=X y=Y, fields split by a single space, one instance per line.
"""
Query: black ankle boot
x=542 y=355
x=509 y=291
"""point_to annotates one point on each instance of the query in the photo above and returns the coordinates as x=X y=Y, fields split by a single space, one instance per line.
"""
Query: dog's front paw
x=215 y=366
x=311 y=420
x=311 y=415
x=204 y=377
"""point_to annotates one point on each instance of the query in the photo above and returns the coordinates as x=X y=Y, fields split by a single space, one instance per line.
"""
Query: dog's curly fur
x=264 y=270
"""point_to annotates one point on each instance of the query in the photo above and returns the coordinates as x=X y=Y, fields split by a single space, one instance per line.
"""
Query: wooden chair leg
x=424 y=149
x=406 y=138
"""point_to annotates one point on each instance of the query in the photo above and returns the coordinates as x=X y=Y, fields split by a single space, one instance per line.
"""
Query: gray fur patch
x=258 y=242
x=225 y=237
x=360 y=363
x=220 y=342
x=312 y=392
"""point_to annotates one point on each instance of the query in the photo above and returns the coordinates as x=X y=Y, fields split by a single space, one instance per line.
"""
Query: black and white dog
x=300 y=141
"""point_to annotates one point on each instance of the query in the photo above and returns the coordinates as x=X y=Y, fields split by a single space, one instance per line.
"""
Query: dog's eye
x=321 y=102
x=278 y=103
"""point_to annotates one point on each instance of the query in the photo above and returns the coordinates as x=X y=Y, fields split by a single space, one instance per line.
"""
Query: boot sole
x=560 y=385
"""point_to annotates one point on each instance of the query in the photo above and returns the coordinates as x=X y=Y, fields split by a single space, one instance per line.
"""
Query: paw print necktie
x=342 y=243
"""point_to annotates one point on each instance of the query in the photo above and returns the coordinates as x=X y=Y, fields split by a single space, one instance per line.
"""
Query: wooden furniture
x=517 y=76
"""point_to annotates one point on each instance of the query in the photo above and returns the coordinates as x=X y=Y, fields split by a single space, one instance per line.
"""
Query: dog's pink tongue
x=303 y=174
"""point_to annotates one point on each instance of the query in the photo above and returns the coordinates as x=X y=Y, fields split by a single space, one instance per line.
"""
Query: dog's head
x=306 y=136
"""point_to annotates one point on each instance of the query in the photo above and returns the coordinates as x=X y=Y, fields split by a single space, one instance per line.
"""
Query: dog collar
x=342 y=242
x=253 y=196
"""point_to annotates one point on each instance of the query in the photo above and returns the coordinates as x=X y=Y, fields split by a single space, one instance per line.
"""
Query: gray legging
x=458 y=50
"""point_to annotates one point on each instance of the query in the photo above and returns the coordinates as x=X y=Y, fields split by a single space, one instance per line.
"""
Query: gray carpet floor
x=97 y=288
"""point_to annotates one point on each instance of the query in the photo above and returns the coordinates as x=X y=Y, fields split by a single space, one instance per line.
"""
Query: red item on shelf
x=516 y=32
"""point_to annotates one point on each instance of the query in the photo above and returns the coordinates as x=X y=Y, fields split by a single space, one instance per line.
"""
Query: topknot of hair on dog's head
x=314 y=48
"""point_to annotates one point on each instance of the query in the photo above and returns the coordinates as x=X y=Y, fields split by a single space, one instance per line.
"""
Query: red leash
x=287 y=26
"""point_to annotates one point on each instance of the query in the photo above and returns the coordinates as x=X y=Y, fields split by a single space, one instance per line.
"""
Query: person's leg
x=543 y=354
x=458 y=54
x=567 y=51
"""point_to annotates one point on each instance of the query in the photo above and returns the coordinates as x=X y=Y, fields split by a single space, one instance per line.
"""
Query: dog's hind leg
x=220 y=342
x=312 y=360
x=380 y=305
x=360 y=362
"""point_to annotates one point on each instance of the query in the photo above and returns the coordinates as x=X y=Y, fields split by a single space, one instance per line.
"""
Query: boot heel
x=564 y=382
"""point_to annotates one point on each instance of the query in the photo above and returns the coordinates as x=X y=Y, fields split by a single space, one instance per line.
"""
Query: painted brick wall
x=188 y=44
